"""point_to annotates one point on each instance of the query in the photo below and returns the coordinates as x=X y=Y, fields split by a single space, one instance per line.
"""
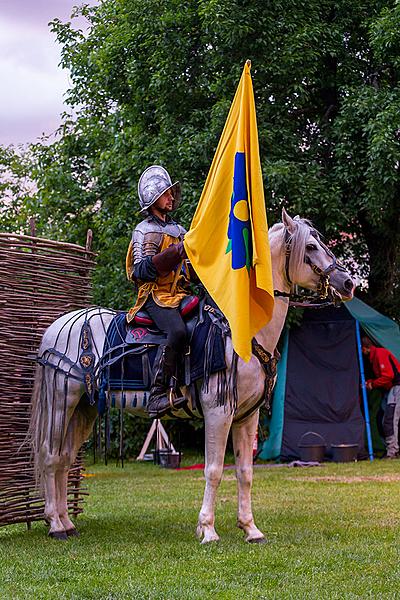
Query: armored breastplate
x=148 y=235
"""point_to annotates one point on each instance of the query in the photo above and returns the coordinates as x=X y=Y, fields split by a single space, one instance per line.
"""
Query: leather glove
x=182 y=251
x=168 y=259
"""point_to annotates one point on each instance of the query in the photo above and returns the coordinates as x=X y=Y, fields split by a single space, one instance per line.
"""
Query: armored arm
x=148 y=261
x=145 y=245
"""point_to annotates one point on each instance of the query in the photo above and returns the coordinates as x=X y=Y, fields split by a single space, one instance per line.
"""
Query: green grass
x=333 y=533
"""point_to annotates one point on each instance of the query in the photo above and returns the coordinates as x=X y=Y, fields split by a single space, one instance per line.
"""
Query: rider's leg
x=391 y=422
x=169 y=321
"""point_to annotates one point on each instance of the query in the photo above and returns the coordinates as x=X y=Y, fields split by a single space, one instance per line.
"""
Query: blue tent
x=319 y=374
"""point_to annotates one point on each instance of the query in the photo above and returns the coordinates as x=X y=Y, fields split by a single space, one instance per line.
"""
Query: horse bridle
x=326 y=293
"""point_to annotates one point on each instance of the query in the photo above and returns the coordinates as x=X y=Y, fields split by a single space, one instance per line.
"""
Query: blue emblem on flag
x=239 y=232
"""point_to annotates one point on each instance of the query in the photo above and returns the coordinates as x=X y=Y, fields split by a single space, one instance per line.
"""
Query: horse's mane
x=298 y=241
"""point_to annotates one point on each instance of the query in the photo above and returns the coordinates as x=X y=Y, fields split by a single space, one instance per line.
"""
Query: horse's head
x=309 y=263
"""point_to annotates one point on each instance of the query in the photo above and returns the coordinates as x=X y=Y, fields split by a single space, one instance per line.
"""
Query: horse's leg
x=60 y=405
x=48 y=443
x=61 y=494
x=55 y=396
x=243 y=437
x=50 y=462
x=79 y=428
x=217 y=425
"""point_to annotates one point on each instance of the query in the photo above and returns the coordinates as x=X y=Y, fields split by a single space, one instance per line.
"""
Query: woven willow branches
x=39 y=281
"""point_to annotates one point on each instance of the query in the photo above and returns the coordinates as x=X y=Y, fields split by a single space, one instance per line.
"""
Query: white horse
x=61 y=420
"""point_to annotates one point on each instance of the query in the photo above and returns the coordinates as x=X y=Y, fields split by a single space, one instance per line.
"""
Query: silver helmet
x=153 y=182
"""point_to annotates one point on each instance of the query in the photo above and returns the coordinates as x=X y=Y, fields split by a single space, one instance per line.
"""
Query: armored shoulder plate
x=182 y=232
x=147 y=237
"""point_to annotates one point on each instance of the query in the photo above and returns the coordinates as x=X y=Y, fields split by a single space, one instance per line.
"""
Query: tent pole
x=364 y=393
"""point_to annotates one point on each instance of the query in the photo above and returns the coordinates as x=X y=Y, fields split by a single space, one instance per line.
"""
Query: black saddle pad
x=128 y=366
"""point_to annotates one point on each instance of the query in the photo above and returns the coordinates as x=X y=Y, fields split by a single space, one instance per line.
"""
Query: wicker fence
x=39 y=281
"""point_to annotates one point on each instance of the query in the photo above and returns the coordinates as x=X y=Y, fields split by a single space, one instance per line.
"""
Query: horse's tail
x=38 y=424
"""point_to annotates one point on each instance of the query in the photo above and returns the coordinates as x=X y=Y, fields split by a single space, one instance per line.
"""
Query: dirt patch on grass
x=349 y=479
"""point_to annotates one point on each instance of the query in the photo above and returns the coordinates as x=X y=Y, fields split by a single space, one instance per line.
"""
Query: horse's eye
x=311 y=247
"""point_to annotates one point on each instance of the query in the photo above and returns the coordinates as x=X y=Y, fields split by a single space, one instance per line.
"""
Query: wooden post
x=89 y=240
x=162 y=440
x=32 y=226
x=32 y=230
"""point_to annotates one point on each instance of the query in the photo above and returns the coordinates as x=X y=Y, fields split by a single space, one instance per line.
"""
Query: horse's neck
x=269 y=335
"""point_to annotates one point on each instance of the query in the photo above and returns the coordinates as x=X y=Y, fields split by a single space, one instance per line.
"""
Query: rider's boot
x=162 y=397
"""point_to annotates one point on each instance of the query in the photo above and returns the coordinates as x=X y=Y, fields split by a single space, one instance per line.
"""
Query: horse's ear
x=288 y=221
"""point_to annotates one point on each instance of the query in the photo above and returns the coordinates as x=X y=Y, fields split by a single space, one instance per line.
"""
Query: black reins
x=327 y=295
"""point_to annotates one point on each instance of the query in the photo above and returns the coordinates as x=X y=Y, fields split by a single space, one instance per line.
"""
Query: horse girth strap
x=265 y=358
x=269 y=364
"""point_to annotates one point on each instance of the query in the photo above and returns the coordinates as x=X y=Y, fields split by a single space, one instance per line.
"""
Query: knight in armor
x=156 y=262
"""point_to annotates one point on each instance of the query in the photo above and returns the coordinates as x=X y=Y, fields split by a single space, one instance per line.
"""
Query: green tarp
x=384 y=331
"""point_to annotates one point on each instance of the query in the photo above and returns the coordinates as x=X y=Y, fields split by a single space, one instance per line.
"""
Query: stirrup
x=171 y=404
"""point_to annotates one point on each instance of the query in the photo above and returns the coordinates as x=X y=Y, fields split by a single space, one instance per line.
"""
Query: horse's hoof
x=210 y=540
x=260 y=540
x=58 y=535
x=72 y=532
x=210 y=537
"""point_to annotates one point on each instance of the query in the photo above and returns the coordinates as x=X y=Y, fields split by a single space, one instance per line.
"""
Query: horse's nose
x=348 y=285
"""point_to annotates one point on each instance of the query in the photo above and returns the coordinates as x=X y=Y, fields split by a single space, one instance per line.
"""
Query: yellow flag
x=227 y=243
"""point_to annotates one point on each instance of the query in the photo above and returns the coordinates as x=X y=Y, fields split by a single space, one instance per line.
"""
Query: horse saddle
x=143 y=330
x=130 y=349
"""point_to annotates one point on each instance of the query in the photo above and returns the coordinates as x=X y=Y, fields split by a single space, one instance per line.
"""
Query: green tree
x=152 y=83
x=17 y=190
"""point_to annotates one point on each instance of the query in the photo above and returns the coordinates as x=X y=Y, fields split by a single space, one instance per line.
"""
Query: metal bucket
x=344 y=452
x=311 y=450
x=167 y=459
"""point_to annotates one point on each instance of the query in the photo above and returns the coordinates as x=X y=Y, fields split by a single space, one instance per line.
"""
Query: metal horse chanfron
x=62 y=418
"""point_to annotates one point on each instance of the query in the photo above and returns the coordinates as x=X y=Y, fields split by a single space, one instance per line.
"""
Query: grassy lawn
x=333 y=532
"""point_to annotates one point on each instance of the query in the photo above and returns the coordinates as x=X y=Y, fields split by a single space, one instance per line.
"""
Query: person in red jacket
x=386 y=369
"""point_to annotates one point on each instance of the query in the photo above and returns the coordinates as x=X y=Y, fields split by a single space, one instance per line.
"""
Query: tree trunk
x=383 y=243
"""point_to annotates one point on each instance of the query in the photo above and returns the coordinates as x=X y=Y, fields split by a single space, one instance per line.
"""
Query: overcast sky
x=31 y=82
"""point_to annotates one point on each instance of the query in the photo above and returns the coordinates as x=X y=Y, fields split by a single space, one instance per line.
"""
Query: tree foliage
x=152 y=83
x=17 y=190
